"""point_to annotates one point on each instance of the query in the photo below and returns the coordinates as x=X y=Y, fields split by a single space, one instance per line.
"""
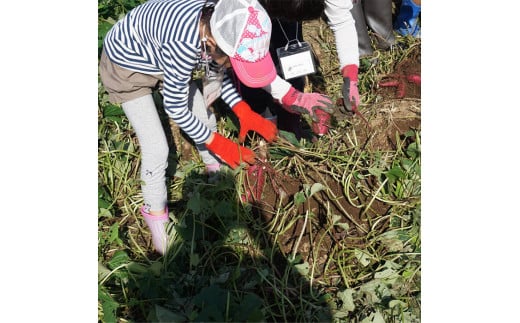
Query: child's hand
x=250 y=120
x=229 y=152
x=297 y=102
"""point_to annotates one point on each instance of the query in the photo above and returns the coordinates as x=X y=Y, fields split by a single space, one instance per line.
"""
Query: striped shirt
x=162 y=37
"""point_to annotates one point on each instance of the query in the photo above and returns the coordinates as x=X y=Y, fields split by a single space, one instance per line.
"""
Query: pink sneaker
x=157 y=225
x=212 y=168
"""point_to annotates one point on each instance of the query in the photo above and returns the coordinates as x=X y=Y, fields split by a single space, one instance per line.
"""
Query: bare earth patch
x=390 y=118
x=395 y=111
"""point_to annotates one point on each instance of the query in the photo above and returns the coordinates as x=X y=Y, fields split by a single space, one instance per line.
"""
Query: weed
x=354 y=223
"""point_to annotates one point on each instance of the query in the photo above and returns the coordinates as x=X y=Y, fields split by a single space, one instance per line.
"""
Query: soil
x=393 y=114
x=395 y=111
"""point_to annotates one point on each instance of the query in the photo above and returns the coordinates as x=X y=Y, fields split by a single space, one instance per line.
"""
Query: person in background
x=158 y=45
x=341 y=22
x=262 y=101
x=407 y=20
x=374 y=15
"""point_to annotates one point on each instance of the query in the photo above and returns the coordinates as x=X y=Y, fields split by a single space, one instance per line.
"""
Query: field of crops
x=353 y=240
x=334 y=237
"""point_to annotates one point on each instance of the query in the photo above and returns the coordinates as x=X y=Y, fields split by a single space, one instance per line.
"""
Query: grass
x=225 y=264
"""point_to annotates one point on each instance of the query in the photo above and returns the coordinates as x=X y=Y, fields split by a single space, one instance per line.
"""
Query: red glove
x=230 y=152
x=297 y=102
x=350 y=89
x=250 y=120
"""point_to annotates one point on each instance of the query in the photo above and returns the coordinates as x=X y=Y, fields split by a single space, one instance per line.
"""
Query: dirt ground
x=397 y=111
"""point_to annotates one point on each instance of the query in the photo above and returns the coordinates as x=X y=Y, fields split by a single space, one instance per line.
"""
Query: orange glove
x=250 y=120
x=230 y=152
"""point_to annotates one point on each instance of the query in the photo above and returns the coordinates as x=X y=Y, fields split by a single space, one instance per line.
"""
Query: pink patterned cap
x=242 y=29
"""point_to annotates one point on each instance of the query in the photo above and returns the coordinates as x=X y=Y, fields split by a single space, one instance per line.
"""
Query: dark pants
x=260 y=100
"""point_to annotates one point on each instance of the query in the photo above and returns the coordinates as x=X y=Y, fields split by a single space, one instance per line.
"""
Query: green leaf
x=316 y=187
x=103 y=198
x=109 y=306
x=326 y=297
x=409 y=272
x=231 y=125
x=194 y=203
x=296 y=260
x=114 y=234
x=365 y=64
x=394 y=173
x=299 y=198
x=117 y=120
x=335 y=221
x=375 y=171
x=263 y=273
x=103 y=27
x=112 y=110
x=224 y=209
x=104 y=213
x=102 y=271
x=393 y=245
x=136 y=268
x=238 y=235
x=249 y=309
x=392 y=241
x=409 y=133
x=385 y=274
x=212 y=294
x=103 y=204
x=119 y=258
x=161 y=314
x=194 y=259
x=357 y=175
x=212 y=301
x=362 y=257
x=407 y=164
x=222 y=278
x=413 y=150
x=156 y=268
x=374 y=318
x=303 y=269
x=289 y=136
x=397 y=303
x=347 y=299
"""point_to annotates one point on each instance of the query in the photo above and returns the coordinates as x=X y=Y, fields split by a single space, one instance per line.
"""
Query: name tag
x=296 y=60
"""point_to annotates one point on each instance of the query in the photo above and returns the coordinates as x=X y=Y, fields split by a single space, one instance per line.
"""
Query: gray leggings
x=143 y=117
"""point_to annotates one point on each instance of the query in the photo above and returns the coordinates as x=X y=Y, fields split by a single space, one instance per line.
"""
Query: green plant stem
x=304 y=227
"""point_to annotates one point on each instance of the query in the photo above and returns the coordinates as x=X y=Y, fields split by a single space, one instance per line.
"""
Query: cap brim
x=257 y=74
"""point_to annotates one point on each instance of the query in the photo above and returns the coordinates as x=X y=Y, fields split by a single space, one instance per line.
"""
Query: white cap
x=242 y=29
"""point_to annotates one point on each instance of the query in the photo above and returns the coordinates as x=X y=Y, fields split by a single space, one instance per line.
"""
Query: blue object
x=406 y=22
